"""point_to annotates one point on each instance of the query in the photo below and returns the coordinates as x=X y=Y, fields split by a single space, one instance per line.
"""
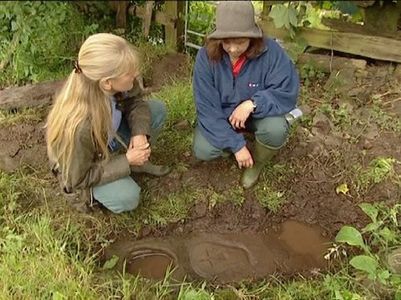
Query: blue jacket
x=270 y=80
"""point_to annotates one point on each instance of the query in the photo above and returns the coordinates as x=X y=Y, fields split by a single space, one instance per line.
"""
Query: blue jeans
x=270 y=131
x=124 y=194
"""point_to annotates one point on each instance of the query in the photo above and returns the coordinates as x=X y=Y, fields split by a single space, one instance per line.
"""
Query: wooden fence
x=348 y=38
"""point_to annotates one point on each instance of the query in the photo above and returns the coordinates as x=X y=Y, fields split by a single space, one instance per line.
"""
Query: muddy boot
x=151 y=169
x=261 y=155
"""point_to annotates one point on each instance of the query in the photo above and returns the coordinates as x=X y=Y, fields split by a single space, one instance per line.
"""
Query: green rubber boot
x=149 y=168
x=261 y=155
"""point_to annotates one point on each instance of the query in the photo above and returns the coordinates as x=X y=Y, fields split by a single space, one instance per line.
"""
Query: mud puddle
x=225 y=257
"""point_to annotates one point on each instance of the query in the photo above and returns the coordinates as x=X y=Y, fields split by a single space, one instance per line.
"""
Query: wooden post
x=174 y=31
x=147 y=18
x=121 y=12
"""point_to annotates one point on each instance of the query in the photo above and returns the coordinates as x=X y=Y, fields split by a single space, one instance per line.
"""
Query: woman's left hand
x=241 y=114
x=138 y=140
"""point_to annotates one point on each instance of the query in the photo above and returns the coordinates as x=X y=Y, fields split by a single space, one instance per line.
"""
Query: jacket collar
x=226 y=57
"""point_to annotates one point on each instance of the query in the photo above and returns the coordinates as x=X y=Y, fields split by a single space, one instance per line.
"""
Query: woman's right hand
x=139 y=155
x=244 y=158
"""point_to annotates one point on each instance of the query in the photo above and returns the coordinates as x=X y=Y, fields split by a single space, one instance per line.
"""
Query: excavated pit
x=225 y=257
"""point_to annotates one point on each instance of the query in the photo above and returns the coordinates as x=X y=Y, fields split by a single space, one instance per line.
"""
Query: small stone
x=306 y=109
x=182 y=125
x=394 y=260
x=200 y=210
x=8 y=164
x=341 y=81
x=367 y=144
x=397 y=72
x=145 y=231
x=372 y=132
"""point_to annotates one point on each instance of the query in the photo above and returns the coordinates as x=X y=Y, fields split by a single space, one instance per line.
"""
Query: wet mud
x=226 y=257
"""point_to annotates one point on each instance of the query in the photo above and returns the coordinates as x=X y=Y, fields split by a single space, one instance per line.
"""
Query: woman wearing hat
x=242 y=81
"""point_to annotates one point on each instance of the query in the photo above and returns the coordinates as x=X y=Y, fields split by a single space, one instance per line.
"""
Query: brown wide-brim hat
x=235 y=19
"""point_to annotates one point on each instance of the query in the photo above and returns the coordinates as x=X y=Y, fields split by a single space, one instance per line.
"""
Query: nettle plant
x=379 y=242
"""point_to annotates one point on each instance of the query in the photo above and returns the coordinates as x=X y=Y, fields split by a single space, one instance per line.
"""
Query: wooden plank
x=344 y=26
x=376 y=47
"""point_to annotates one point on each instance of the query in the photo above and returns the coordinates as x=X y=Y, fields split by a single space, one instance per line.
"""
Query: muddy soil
x=22 y=144
x=317 y=158
x=173 y=66
x=223 y=258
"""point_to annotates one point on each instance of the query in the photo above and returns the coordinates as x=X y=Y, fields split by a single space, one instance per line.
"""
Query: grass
x=8 y=118
x=180 y=107
x=39 y=258
x=41 y=262
x=236 y=195
x=267 y=192
x=171 y=208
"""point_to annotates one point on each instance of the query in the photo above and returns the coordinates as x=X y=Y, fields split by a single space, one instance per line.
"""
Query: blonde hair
x=82 y=99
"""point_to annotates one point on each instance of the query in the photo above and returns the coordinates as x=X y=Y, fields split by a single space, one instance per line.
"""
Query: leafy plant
x=39 y=40
x=379 y=169
x=192 y=293
x=285 y=15
x=201 y=17
x=375 y=240
x=269 y=198
x=340 y=116
x=236 y=196
x=385 y=120
x=309 y=73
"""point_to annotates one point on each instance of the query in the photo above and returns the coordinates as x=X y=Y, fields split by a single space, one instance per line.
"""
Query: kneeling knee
x=159 y=112
x=129 y=202
x=204 y=154
x=274 y=136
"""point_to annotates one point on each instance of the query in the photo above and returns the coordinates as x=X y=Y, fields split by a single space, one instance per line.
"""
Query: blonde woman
x=100 y=110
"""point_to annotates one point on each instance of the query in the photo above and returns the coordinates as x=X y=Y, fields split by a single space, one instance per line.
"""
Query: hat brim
x=256 y=32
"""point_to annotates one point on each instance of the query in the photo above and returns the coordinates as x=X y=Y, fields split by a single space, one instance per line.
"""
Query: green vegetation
x=381 y=236
x=27 y=114
x=379 y=169
x=178 y=98
x=267 y=192
x=39 y=40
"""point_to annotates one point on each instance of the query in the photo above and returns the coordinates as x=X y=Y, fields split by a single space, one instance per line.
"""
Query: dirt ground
x=318 y=156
